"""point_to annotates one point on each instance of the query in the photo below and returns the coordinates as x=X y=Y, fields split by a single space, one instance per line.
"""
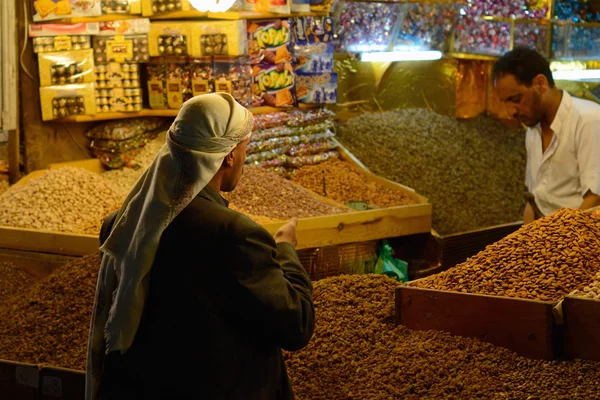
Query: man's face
x=237 y=165
x=523 y=103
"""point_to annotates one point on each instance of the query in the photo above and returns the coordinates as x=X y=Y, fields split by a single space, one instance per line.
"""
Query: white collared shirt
x=570 y=166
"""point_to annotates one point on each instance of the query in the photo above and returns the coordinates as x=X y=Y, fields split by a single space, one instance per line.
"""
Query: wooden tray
x=582 y=328
x=19 y=380
x=526 y=327
x=352 y=227
x=61 y=383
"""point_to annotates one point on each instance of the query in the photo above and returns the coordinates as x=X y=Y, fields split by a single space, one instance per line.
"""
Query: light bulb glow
x=383 y=56
x=586 y=74
x=212 y=5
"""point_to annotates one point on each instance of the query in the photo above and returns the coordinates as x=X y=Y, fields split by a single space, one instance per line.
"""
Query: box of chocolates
x=82 y=28
x=45 y=10
x=121 y=48
x=269 y=41
x=118 y=100
x=121 y=6
x=313 y=57
x=49 y=44
x=134 y=26
x=312 y=29
x=234 y=76
x=273 y=85
x=67 y=67
x=151 y=7
x=202 y=75
x=218 y=38
x=156 y=71
x=178 y=83
x=169 y=39
x=67 y=100
x=118 y=87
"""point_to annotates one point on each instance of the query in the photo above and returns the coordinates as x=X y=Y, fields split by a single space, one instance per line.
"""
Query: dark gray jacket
x=224 y=300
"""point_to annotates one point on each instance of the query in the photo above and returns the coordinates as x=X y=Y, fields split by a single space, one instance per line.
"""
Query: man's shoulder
x=212 y=212
x=587 y=111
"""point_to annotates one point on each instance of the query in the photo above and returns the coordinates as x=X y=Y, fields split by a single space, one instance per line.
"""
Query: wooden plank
x=91 y=164
x=30 y=176
x=61 y=383
x=18 y=380
x=360 y=226
x=582 y=328
x=48 y=242
x=523 y=326
x=37 y=264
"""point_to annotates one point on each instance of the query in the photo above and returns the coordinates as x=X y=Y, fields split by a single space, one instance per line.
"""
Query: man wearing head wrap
x=194 y=300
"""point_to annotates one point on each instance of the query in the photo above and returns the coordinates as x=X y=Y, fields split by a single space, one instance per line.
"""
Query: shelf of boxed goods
x=158 y=113
x=99 y=18
x=231 y=15
x=351 y=227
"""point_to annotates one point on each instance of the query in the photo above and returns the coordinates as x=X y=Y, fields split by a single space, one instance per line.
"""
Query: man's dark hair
x=524 y=64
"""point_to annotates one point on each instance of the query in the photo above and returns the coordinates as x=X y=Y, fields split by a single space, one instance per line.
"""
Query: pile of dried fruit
x=4 y=185
x=544 y=260
x=262 y=192
x=473 y=172
x=50 y=323
x=338 y=180
x=13 y=281
x=66 y=199
x=357 y=352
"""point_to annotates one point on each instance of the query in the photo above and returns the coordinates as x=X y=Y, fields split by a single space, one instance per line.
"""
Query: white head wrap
x=207 y=128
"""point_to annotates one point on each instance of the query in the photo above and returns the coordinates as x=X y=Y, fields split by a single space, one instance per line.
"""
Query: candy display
x=261 y=145
x=67 y=100
x=58 y=29
x=313 y=147
x=150 y=7
x=533 y=35
x=178 y=82
x=573 y=41
x=121 y=7
x=66 y=67
x=576 y=11
x=44 y=10
x=300 y=6
x=525 y=9
x=365 y=26
x=316 y=88
x=168 y=39
x=312 y=29
x=268 y=6
x=202 y=75
x=118 y=87
x=313 y=57
x=156 y=72
x=478 y=36
x=426 y=26
x=273 y=85
x=234 y=75
x=270 y=120
x=269 y=41
x=311 y=159
x=265 y=155
x=280 y=131
x=115 y=160
x=216 y=38
x=49 y=44
x=121 y=48
x=134 y=26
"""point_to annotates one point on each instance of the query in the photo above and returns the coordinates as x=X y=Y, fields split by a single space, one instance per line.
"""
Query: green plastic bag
x=388 y=265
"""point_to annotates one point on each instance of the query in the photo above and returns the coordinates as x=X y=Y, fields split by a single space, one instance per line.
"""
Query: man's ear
x=541 y=83
x=228 y=160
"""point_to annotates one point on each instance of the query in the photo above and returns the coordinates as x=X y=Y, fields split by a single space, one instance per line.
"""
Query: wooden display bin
x=61 y=383
x=351 y=227
x=526 y=327
x=582 y=328
x=19 y=380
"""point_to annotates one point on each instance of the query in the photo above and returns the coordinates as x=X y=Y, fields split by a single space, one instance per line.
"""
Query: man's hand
x=287 y=233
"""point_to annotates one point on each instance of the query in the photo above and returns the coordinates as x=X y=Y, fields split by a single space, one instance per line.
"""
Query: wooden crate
x=526 y=327
x=18 y=380
x=352 y=227
x=61 y=383
x=582 y=328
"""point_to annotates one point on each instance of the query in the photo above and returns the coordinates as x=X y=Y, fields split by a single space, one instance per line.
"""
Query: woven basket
x=353 y=258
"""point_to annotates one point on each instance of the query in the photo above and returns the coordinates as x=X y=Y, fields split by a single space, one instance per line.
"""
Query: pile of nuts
x=262 y=192
x=592 y=291
x=340 y=181
x=357 y=352
x=545 y=260
x=13 y=281
x=4 y=185
x=50 y=323
x=67 y=199
x=473 y=172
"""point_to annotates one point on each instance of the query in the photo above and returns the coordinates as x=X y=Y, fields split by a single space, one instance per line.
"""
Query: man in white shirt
x=563 y=139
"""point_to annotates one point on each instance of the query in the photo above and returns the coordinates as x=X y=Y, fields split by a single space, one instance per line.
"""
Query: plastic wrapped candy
x=279 y=131
x=265 y=155
x=572 y=41
x=178 y=82
x=426 y=26
x=126 y=128
x=273 y=143
x=365 y=26
x=299 y=161
x=532 y=35
x=115 y=160
x=202 y=75
x=302 y=118
x=156 y=72
x=278 y=161
x=270 y=120
x=315 y=147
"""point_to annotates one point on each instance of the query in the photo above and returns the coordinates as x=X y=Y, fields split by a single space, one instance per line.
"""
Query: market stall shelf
x=582 y=328
x=526 y=327
x=350 y=227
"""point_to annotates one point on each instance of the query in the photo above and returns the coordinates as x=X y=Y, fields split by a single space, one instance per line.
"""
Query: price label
x=62 y=43
x=28 y=376
x=119 y=49
x=358 y=205
x=174 y=94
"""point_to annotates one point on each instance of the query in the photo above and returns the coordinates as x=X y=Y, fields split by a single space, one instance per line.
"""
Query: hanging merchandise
x=45 y=10
x=273 y=85
x=316 y=88
x=269 y=41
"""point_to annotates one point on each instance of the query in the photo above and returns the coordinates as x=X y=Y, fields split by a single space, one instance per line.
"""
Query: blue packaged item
x=316 y=88
x=312 y=30
x=313 y=57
